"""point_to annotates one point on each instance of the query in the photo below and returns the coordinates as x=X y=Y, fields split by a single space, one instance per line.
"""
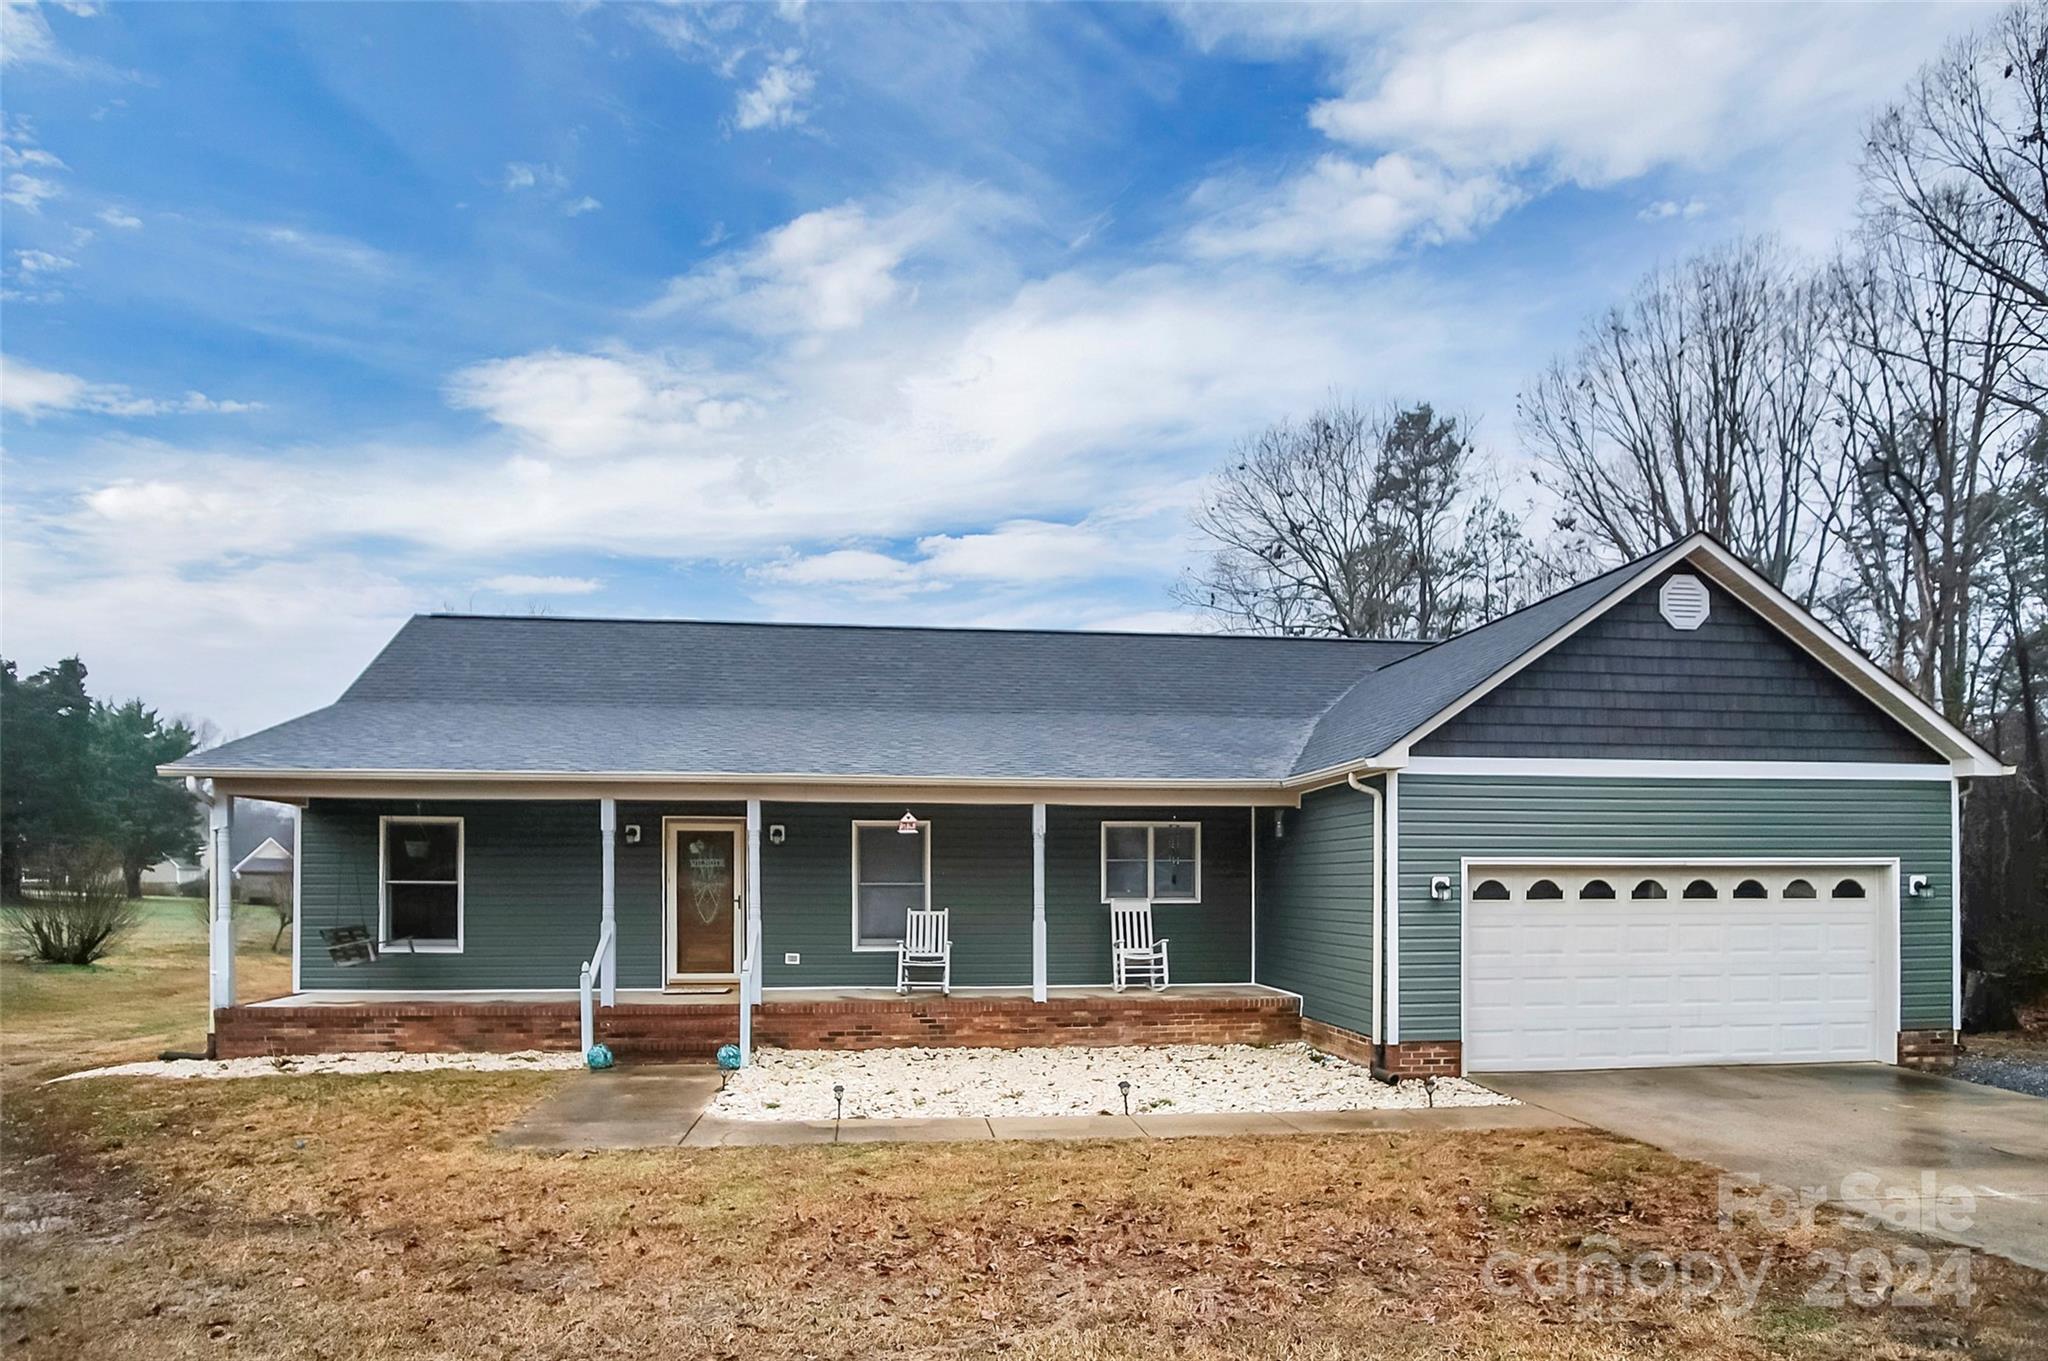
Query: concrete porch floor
x=726 y=996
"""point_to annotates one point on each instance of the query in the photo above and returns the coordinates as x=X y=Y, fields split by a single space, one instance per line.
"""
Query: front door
x=704 y=900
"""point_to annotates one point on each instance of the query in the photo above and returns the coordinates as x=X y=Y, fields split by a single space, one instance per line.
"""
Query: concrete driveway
x=1812 y=1126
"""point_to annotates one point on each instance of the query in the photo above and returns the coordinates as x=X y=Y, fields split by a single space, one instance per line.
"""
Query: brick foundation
x=1417 y=1058
x=695 y=1032
x=1931 y=1051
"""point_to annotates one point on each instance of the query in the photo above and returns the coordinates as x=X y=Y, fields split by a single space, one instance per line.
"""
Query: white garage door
x=1633 y=966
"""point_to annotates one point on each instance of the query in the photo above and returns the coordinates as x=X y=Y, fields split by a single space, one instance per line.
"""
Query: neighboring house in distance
x=1662 y=817
x=255 y=824
x=170 y=874
x=265 y=874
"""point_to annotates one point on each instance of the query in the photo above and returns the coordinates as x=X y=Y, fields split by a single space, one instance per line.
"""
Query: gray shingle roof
x=466 y=693
x=543 y=695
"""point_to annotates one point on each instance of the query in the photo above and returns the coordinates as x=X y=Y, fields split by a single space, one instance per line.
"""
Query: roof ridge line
x=908 y=628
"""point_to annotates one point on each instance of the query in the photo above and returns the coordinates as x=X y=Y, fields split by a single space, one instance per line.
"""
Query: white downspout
x=1379 y=915
x=220 y=924
x=1038 y=943
x=608 y=964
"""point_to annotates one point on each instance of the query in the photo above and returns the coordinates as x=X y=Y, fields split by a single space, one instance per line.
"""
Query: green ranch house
x=1663 y=817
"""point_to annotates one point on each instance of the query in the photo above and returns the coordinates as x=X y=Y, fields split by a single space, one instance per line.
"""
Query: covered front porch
x=695 y=922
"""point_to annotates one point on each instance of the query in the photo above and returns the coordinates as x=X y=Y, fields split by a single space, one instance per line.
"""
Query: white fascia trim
x=1537 y=767
x=718 y=778
x=1393 y=867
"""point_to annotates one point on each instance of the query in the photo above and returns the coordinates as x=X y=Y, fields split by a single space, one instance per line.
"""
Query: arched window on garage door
x=1597 y=888
x=1490 y=891
x=1848 y=888
x=1702 y=888
x=1800 y=888
x=1751 y=888
x=1544 y=891
x=1649 y=888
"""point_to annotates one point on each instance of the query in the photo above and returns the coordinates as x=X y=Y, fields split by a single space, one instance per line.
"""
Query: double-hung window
x=420 y=882
x=892 y=873
x=1158 y=861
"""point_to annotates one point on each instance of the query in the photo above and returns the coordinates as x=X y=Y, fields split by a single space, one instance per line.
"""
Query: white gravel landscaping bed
x=310 y=1065
x=1180 y=1079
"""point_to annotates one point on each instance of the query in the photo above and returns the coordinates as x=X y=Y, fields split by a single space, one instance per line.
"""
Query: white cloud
x=120 y=218
x=339 y=252
x=583 y=205
x=29 y=192
x=776 y=99
x=1590 y=95
x=1343 y=210
x=34 y=263
x=533 y=175
x=1666 y=208
x=824 y=271
x=601 y=404
x=27 y=184
x=518 y=584
x=31 y=393
x=25 y=36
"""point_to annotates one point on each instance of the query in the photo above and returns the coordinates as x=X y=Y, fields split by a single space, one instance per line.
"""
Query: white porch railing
x=591 y=978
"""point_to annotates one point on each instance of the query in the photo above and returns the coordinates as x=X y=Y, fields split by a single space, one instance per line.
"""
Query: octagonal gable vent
x=1683 y=602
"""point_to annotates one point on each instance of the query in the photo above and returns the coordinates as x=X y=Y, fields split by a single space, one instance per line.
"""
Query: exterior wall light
x=1440 y=887
x=1916 y=885
x=632 y=834
x=776 y=833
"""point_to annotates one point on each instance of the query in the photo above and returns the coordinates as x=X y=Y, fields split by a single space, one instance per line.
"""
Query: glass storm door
x=703 y=913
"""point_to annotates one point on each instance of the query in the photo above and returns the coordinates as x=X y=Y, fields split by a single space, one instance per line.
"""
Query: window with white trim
x=420 y=882
x=892 y=873
x=1158 y=861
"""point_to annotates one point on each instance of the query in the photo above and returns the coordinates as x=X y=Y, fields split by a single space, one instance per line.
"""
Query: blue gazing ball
x=600 y=1056
x=728 y=1056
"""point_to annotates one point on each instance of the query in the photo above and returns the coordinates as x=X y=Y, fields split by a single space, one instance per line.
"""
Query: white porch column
x=750 y=969
x=608 y=967
x=1038 y=969
x=220 y=939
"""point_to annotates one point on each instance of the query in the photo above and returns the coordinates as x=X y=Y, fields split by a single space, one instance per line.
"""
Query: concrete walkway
x=1813 y=1126
x=663 y=1107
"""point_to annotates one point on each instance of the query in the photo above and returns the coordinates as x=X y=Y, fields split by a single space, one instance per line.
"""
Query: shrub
x=79 y=912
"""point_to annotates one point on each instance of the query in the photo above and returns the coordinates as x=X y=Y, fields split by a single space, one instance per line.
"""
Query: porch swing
x=354 y=943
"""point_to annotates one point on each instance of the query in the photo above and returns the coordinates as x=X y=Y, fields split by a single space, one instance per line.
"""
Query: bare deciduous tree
x=1962 y=161
x=1696 y=405
x=1355 y=524
x=1928 y=345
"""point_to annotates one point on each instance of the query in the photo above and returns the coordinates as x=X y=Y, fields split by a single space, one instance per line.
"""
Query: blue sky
x=318 y=315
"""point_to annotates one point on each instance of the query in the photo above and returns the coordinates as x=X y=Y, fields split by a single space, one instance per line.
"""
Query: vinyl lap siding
x=532 y=882
x=1443 y=818
x=1315 y=907
x=980 y=868
x=1210 y=941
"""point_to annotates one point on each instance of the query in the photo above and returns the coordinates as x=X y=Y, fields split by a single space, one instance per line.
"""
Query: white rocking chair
x=927 y=944
x=1134 y=956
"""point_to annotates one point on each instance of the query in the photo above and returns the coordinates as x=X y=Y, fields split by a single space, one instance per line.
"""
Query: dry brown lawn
x=147 y=996
x=369 y=1217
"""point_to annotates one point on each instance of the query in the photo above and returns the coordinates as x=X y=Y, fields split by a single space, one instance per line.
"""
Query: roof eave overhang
x=308 y=781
